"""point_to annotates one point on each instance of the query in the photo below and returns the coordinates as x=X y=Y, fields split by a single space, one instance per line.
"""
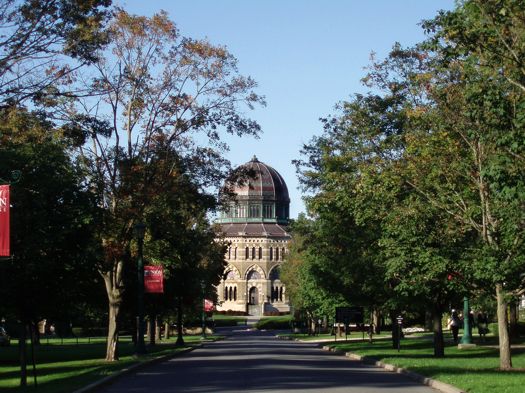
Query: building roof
x=267 y=183
x=260 y=196
x=254 y=229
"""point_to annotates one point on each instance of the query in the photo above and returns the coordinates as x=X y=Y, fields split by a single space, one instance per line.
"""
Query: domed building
x=255 y=224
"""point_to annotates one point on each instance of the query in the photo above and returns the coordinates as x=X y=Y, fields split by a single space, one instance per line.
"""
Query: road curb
x=125 y=371
x=441 y=386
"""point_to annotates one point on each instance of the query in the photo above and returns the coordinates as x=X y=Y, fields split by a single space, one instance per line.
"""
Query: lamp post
x=467 y=337
x=203 y=287
x=399 y=331
x=140 y=230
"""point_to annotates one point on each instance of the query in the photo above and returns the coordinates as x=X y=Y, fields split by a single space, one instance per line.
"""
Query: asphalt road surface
x=251 y=361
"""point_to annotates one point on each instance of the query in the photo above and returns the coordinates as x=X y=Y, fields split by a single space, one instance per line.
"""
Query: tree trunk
x=35 y=334
x=376 y=320
x=152 y=326
x=439 y=344
x=157 y=329
x=395 y=330
x=429 y=322
x=22 y=354
x=505 y=361
x=180 y=339
x=113 y=332
x=513 y=320
x=114 y=291
x=150 y=330
x=166 y=330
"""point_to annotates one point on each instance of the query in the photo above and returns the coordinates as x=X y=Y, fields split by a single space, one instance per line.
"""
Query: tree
x=53 y=219
x=184 y=243
x=44 y=41
x=156 y=91
x=300 y=273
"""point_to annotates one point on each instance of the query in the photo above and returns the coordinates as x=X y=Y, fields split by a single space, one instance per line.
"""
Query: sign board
x=348 y=315
x=153 y=279
x=5 y=250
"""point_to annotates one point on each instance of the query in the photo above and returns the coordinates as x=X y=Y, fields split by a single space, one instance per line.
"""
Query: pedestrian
x=482 y=325
x=453 y=324
x=470 y=322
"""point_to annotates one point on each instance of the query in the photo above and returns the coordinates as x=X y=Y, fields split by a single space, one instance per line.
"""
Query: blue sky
x=305 y=55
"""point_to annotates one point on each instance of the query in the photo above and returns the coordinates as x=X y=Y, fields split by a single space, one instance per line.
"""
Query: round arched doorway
x=253 y=298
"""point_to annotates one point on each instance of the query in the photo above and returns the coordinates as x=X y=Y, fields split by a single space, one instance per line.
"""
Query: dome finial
x=254 y=158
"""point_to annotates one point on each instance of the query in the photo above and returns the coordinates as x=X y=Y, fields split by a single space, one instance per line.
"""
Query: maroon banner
x=153 y=279
x=208 y=305
x=5 y=250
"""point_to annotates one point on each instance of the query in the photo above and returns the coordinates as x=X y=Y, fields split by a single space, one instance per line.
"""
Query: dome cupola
x=261 y=197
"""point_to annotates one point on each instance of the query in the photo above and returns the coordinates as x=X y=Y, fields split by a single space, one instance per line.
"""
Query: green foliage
x=418 y=186
x=52 y=218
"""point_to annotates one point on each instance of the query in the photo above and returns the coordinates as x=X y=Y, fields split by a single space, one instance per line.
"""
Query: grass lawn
x=353 y=336
x=228 y=320
x=275 y=322
x=67 y=367
x=473 y=370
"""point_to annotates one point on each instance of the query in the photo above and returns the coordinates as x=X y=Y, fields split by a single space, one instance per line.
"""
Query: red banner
x=153 y=279
x=4 y=222
x=208 y=305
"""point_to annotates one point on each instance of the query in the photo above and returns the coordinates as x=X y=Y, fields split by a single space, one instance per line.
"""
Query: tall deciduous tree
x=157 y=91
x=43 y=41
x=183 y=242
x=302 y=271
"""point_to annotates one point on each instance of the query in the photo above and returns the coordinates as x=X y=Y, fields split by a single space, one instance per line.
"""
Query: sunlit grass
x=67 y=367
x=473 y=370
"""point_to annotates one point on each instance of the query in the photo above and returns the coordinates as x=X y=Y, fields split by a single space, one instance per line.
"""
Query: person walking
x=453 y=324
x=482 y=325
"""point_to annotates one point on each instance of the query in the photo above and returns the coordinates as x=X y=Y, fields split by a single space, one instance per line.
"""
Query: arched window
x=230 y=293
x=235 y=293
x=225 y=293
x=276 y=253
x=254 y=275
x=229 y=253
x=260 y=252
x=275 y=273
x=271 y=253
x=253 y=252
x=282 y=254
x=281 y=294
x=235 y=253
x=247 y=253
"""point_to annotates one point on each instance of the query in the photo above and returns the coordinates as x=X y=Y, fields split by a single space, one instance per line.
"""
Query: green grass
x=228 y=320
x=65 y=368
x=277 y=322
x=352 y=335
x=474 y=370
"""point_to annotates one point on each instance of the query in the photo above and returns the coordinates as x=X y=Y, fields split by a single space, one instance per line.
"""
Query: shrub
x=272 y=323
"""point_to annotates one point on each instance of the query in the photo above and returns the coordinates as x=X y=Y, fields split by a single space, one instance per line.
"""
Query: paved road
x=250 y=361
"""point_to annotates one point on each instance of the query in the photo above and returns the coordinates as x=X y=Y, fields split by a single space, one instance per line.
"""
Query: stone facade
x=258 y=245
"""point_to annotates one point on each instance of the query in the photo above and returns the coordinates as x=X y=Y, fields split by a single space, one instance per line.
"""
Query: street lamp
x=140 y=230
x=467 y=337
x=399 y=320
x=203 y=287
